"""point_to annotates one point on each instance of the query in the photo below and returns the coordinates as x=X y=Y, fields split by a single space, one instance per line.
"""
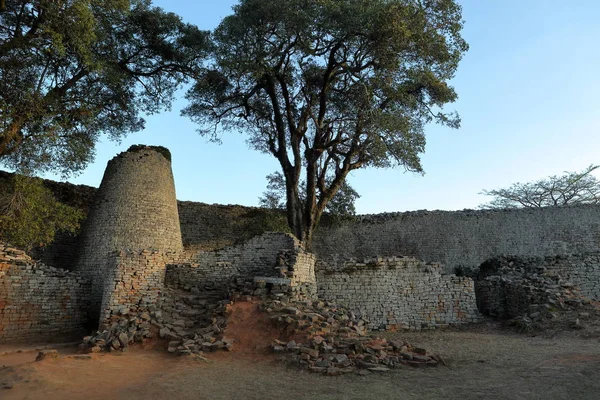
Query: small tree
x=568 y=189
x=330 y=86
x=342 y=203
x=30 y=216
x=73 y=70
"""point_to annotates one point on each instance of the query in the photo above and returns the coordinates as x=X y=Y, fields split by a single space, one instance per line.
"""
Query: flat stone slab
x=275 y=281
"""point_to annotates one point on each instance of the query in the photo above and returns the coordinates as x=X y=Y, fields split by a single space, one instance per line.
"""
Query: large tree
x=330 y=86
x=73 y=70
x=342 y=204
x=579 y=187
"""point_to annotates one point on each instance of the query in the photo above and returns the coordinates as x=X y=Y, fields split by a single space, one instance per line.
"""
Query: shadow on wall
x=513 y=286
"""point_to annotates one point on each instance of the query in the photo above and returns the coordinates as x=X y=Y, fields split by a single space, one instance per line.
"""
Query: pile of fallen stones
x=510 y=287
x=124 y=330
x=322 y=337
x=333 y=355
x=331 y=340
x=190 y=322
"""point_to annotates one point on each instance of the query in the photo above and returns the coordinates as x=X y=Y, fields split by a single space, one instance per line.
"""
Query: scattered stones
x=527 y=290
x=46 y=354
x=332 y=346
x=81 y=357
x=192 y=323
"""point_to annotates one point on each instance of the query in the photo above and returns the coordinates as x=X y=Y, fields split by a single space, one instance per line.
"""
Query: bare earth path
x=481 y=365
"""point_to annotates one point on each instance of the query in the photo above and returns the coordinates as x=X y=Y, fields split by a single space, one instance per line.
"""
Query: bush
x=30 y=215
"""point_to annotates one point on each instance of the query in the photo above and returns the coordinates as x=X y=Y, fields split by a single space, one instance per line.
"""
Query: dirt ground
x=482 y=363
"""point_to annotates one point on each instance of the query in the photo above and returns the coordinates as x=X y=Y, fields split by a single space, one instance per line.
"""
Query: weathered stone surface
x=398 y=292
x=529 y=287
x=135 y=208
x=38 y=302
x=464 y=238
x=46 y=354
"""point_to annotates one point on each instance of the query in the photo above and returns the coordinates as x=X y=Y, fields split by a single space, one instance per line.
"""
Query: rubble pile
x=332 y=340
x=515 y=288
x=535 y=294
x=321 y=336
x=191 y=322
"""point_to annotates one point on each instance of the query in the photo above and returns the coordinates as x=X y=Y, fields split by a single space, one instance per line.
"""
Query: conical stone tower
x=135 y=208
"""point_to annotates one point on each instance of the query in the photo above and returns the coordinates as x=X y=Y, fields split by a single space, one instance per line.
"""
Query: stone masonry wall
x=394 y=292
x=38 y=302
x=454 y=238
x=465 y=238
x=136 y=280
x=512 y=286
x=215 y=226
x=298 y=266
x=210 y=269
x=135 y=208
x=582 y=270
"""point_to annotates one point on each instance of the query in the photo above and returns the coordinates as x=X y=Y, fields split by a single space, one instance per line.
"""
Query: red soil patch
x=251 y=330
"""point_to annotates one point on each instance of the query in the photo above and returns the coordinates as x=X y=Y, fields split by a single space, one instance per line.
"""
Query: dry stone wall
x=135 y=208
x=582 y=270
x=215 y=226
x=398 y=292
x=512 y=286
x=257 y=257
x=38 y=302
x=300 y=269
x=136 y=280
x=465 y=238
x=273 y=258
x=454 y=238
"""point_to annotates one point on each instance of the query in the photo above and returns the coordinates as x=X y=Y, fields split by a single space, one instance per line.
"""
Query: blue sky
x=529 y=99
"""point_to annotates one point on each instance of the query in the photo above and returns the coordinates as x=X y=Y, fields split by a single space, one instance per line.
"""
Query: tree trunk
x=293 y=205
x=11 y=138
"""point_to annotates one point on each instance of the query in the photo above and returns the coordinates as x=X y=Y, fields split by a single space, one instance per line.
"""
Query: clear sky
x=529 y=99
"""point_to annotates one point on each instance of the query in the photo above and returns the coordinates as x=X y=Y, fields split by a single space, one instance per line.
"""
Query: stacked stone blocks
x=398 y=292
x=513 y=286
x=273 y=255
x=135 y=209
x=38 y=302
x=464 y=238
x=135 y=282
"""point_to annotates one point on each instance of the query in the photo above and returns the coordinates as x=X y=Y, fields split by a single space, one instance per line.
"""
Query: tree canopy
x=567 y=189
x=30 y=215
x=342 y=204
x=73 y=70
x=330 y=86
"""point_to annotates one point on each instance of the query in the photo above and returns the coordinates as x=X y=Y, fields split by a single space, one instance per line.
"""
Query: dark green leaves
x=73 y=70
x=329 y=86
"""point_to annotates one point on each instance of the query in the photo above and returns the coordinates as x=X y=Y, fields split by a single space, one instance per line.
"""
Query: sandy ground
x=481 y=364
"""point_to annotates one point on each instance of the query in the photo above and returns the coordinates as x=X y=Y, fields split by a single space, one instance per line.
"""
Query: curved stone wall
x=465 y=238
x=135 y=208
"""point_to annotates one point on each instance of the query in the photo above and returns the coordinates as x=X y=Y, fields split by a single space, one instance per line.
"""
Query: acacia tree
x=72 y=70
x=341 y=204
x=330 y=86
x=568 y=189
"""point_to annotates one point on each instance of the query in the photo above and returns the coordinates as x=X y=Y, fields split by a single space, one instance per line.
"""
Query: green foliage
x=567 y=189
x=341 y=204
x=160 y=149
x=73 y=70
x=30 y=215
x=330 y=86
x=259 y=221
